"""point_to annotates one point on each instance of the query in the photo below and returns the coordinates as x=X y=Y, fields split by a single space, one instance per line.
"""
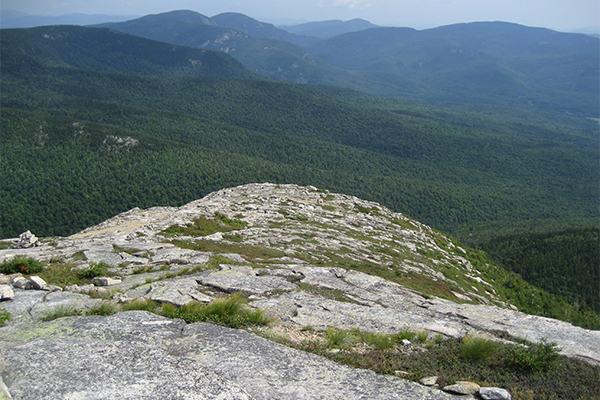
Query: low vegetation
x=5 y=316
x=530 y=371
x=206 y=226
x=231 y=311
x=65 y=274
x=21 y=265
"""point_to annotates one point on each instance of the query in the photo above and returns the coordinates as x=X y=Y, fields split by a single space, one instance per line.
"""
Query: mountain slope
x=99 y=49
x=491 y=68
x=352 y=284
x=491 y=62
x=276 y=58
x=259 y=29
x=329 y=29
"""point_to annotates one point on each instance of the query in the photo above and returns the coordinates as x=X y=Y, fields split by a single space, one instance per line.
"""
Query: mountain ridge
x=306 y=256
x=460 y=66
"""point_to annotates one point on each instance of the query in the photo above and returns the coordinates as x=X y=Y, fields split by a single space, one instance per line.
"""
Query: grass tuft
x=94 y=270
x=477 y=348
x=5 y=316
x=406 y=334
x=231 y=311
x=104 y=309
x=61 y=312
x=339 y=338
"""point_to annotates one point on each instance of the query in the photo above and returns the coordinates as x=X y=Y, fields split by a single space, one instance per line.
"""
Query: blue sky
x=566 y=15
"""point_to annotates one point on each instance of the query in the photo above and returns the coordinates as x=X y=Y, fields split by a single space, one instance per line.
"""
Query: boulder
x=429 y=381
x=235 y=281
x=178 y=292
x=462 y=387
x=22 y=283
x=37 y=282
x=9 y=279
x=136 y=354
x=6 y=293
x=494 y=393
x=106 y=281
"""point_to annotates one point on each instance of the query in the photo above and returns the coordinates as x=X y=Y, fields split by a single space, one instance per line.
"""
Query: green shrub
x=5 y=316
x=537 y=357
x=94 y=270
x=21 y=265
x=477 y=348
x=422 y=335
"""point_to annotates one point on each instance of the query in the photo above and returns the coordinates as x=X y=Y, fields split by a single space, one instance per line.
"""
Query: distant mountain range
x=329 y=29
x=466 y=66
x=474 y=67
x=16 y=19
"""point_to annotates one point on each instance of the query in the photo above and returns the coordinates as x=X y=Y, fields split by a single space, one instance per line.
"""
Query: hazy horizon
x=553 y=14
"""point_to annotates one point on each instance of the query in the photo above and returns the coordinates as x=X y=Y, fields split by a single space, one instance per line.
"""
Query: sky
x=563 y=15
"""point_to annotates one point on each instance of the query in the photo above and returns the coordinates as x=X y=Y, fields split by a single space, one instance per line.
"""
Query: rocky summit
x=307 y=257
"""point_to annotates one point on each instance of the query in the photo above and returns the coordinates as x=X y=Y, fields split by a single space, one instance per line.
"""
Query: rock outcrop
x=305 y=256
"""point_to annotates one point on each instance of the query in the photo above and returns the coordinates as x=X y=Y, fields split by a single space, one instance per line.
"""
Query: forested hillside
x=564 y=262
x=459 y=174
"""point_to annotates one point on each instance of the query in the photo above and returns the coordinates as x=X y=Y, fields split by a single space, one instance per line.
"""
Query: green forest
x=86 y=134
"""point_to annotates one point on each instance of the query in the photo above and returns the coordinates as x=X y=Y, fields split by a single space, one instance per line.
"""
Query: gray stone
x=4 y=390
x=231 y=282
x=136 y=354
x=84 y=289
x=22 y=283
x=429 y=381
x=27 y=240
x=61 y=300
x=51 y=288
x=37 y=282
x=494 y=393
x=178 y=292
x=6 y=293
x=106 y=281
x=105 y=254
x=462 y=387
x=8 y=279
